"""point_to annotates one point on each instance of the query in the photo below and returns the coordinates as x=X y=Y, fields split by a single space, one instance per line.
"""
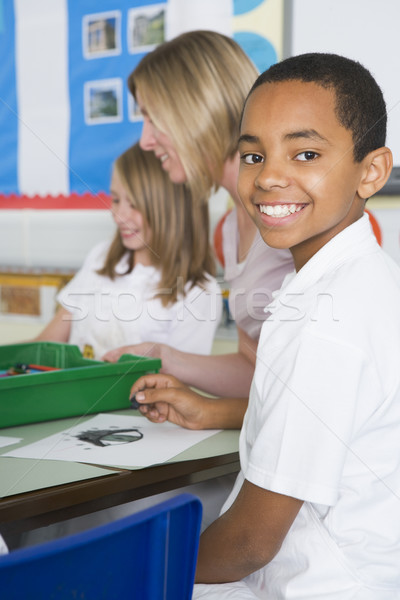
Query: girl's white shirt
x=107 y=314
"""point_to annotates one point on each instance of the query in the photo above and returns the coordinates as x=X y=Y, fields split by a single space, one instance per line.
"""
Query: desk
x=85 y=492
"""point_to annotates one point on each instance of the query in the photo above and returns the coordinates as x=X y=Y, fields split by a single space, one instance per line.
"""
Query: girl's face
x=130 y=222
x=152 y=139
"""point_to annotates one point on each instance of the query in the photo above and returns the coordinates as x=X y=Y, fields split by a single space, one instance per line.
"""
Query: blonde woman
x=191 y=91
x=155 y=280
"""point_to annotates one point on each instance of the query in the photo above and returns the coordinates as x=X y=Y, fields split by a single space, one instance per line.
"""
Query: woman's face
x=154 y=140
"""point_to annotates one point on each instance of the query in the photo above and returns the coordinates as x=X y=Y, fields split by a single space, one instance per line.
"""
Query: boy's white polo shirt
x=323 y=424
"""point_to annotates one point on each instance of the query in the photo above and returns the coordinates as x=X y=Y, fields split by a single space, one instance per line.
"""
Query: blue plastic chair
x=149 y=555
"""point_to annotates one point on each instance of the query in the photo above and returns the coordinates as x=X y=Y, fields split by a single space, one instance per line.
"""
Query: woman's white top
x=107 y=314
x=253 y=280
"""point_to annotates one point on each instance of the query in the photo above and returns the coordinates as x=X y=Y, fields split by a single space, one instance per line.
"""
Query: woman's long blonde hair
x=179 y=245
x=193 y=88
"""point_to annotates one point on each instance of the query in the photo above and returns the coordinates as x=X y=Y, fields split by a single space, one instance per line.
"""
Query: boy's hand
x=165 y=398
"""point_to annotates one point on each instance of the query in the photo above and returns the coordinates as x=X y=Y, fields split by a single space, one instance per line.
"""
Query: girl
x=154 y=281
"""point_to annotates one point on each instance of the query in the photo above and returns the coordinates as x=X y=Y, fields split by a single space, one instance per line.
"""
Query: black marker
x=134 y=403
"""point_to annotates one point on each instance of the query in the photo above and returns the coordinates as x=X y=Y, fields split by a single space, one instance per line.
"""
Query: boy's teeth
x=279 y=210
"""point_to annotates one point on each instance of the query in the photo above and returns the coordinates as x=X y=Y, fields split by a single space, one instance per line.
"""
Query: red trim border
x=100 y=201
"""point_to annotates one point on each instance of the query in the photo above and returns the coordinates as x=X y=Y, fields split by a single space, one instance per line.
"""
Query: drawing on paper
x=110 y=437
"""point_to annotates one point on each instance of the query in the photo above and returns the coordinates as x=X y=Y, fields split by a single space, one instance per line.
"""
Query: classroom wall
x=366 y=31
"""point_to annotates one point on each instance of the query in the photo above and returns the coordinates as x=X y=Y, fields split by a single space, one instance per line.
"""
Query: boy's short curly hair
x=360 y=106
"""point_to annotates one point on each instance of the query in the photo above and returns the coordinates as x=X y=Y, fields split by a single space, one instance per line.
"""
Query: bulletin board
x=65 y=110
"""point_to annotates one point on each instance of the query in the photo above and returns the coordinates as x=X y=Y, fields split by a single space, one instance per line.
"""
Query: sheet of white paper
x=7 y=441
x=115 y=440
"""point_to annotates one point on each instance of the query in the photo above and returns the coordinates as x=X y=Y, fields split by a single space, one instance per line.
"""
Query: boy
x=315 y=511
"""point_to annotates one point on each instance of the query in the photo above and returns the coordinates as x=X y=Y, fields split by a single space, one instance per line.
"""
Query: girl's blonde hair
x=193 y=88
x=179 y=245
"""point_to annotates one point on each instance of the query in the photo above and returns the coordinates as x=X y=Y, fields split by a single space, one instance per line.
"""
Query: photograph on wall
x=134 y=113
x=103 y=101
x=101 y=34
x=146 y=27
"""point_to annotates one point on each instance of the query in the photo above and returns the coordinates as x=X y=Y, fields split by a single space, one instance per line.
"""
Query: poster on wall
x=65 y=109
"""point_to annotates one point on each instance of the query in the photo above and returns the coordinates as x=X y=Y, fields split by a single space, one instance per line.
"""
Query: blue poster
x=65 y=109
x=105 y=45
x=8 y=100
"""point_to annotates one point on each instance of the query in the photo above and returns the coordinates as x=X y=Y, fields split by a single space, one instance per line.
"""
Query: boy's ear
x=378 y=166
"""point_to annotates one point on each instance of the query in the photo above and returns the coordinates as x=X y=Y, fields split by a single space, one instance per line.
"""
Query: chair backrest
x=149 y=555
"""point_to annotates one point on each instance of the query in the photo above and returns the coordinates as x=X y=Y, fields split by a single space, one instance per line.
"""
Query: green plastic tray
x=81 y=387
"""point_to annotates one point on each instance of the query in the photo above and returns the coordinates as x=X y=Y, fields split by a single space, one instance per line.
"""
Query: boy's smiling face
x=298 y=179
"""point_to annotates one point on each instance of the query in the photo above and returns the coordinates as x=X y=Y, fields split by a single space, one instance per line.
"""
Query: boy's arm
x=247 y=536
x=165 y=398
